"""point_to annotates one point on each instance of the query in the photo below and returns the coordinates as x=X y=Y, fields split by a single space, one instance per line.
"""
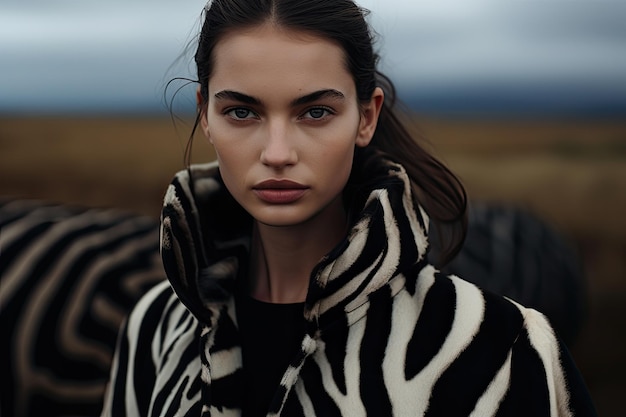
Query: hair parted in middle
x=436 y=188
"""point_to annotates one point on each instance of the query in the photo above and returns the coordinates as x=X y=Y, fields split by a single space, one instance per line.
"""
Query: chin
x=281 y=216
x=279 y=221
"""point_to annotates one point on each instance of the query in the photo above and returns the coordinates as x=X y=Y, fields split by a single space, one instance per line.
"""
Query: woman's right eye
x=240 y=113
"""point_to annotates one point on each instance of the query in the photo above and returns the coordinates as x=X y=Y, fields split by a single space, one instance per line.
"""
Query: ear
x=202 y=109
x=369 y=118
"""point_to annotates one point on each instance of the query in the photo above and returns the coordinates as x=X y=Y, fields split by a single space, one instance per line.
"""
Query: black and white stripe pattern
x=512 y=252
x=69 y=276
x=387 y=333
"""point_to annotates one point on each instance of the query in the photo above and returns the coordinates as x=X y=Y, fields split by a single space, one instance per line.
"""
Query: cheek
x=232 y=166
x=231 y=147
x=336 y=160
x=336 y=163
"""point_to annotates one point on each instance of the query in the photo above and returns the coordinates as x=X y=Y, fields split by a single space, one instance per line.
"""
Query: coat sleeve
x=133 y=370
x=544 y=380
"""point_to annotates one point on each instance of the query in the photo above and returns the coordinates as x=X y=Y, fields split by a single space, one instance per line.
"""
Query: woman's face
x=284 y=118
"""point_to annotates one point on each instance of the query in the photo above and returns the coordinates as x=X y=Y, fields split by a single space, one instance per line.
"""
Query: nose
x=279 y=147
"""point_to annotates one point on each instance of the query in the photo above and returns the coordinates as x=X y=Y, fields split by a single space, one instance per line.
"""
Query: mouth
x=279 y=191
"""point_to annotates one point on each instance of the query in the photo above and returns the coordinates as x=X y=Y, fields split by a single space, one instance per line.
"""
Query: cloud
x=580 y=41
x=119 y=53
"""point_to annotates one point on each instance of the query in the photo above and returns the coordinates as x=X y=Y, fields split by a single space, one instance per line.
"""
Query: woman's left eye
x=316 y=113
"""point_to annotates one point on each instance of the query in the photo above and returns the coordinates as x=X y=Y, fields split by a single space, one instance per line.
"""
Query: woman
x=298 y=279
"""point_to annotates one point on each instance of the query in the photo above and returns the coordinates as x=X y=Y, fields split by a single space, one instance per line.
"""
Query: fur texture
x=387 y=334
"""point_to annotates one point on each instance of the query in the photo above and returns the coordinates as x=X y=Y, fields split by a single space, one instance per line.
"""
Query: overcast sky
x=115 y=54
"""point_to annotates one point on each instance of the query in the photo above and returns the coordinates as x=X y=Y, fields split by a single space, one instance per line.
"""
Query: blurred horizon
x=462 y=58
x=525 y=101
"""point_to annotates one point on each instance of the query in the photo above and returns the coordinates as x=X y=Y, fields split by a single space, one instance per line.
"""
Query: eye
x=240 y=113
x=317 y=113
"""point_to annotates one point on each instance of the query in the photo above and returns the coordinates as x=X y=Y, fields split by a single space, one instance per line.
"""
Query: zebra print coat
x=387 y=334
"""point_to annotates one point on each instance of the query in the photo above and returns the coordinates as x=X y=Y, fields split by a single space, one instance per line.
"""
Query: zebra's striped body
x=68 y=277
x=386 y=333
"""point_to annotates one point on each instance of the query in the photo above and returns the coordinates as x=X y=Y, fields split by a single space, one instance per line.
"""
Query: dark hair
x=438 y=190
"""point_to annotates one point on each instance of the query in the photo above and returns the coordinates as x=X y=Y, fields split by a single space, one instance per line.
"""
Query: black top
x=271 y=335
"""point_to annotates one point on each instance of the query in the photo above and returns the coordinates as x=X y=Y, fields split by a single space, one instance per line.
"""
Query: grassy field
x=572 y=174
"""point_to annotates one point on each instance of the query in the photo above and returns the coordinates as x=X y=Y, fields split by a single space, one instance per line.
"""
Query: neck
x=282 y=258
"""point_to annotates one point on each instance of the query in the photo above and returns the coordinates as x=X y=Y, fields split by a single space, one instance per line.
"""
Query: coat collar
x=205 y=241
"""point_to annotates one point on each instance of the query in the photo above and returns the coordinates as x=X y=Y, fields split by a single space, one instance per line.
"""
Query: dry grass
x=572 y=174
x=124 y=163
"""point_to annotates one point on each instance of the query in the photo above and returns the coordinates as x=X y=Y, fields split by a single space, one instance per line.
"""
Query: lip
x=279 y=191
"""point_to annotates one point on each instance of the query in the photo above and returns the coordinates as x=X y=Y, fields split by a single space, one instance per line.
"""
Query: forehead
x=268 y=56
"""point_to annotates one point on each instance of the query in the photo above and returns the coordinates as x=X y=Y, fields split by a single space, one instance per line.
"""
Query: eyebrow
x=234 y=95
x=309 y=98
x=316 y=95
